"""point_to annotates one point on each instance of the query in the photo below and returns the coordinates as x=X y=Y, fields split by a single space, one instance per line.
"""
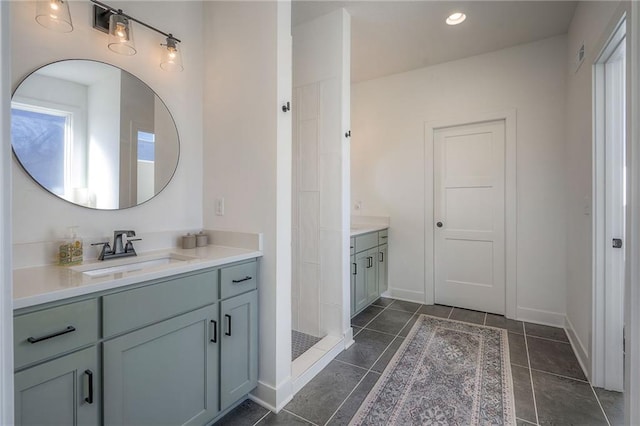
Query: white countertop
x=34 y=286
x=366 y=228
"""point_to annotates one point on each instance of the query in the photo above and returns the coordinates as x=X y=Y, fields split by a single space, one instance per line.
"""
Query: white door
x=469 y=216
x=609 y=218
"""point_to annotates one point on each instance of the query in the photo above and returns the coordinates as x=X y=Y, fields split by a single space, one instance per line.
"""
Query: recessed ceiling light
x=456 y=18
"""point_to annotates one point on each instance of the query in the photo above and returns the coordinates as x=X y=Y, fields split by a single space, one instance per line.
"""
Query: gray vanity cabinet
x=239 y=347
x=173 y=351
x=64 y=391
x=369 y=273
x=353 y=283
x=383 y=272
x=359 y=291
x=166 y=373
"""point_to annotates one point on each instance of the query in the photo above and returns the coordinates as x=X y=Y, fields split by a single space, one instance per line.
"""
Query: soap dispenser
x=70 y=251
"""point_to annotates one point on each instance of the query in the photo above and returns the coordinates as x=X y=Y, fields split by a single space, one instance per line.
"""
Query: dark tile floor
x=549 y=385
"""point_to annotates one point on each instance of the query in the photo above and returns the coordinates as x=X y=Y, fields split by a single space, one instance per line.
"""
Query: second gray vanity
x=369 y=270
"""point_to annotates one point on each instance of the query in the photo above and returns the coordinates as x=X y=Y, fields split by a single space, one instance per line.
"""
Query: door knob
x=439 y=224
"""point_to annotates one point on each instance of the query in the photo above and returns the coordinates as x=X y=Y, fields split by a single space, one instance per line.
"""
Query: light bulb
x=171 y=59
x=54 y=5
x=121 y=31
x=121 y=35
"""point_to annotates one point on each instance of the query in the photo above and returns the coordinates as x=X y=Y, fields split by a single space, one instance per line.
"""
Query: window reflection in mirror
x=43 y=134
x=93 y=134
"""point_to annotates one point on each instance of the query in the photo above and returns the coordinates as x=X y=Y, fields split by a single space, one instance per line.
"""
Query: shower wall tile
x=331 y=192
x=331 y=260
x=308 y=101
x=308 y=149
x=308 y=302
x=330 y=118
x=331 y=319
x=309 y=227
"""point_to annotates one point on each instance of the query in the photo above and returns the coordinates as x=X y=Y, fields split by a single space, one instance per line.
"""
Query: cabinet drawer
x=353 y=245
x=238 y=279
x=156 y=302
x=43 y=334
x=383 y=237
x=366 y=241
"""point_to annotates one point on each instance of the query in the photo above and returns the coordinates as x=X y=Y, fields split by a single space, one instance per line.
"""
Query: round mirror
x=93 y=134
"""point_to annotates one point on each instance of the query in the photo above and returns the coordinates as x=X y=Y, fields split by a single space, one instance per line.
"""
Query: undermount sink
x=130 y=264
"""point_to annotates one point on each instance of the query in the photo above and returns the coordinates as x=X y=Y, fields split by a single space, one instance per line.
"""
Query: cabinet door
x=352 y=303
x=383 y=277
x=166 y=373
x=360 y=285
x=239 y=347
x=372 y=275
x=65 y=391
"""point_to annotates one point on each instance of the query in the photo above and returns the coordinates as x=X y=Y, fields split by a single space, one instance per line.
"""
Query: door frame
x=509 y=117
x=632 y=284
x=6 y=288
x=606 y=366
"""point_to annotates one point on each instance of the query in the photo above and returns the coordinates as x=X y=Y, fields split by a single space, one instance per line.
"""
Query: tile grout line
x=351 y=365
x=299 y=416
x=484 y=322
x=262 y=418
x=377 y=315
x=559 y=375
x=450 y=313
x=533 y=390
x=345 y=399
x=550 y=340
x=523 y=420
x=600 y=404
x=377 y=331
x=370 y=370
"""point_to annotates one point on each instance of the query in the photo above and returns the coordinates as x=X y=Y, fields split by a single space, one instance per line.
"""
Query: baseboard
x=538 y=316
x=271 y=398
x=579 y=349
x=407 y=295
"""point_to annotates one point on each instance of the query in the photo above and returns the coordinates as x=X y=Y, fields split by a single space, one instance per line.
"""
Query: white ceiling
x=388 y=37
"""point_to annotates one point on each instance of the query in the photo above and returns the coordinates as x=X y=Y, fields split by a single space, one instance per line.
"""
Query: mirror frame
x=24 y=169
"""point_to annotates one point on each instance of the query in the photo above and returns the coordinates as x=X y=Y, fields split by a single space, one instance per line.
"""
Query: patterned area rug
x=445 y=373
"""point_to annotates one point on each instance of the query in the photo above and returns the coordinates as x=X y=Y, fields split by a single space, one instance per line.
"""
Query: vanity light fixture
x=119 y=27
x=171 y=57
x=456 y=18
x=121 y=35
x=54 y=14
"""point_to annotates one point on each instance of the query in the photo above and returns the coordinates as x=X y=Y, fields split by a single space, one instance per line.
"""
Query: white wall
x=247 y=157
x=179 y=206
x=104 y=101
x=387 y=161
x=6 y=289
x=589 y=25
x=321 y=87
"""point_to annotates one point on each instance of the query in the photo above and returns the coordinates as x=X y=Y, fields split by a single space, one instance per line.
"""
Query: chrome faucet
x=122 y=245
